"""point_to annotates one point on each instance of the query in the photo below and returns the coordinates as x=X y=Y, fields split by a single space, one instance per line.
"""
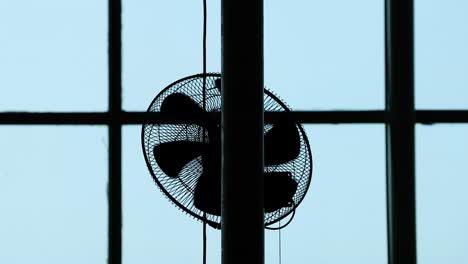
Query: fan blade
x=207 y=196
x=171 y=157
x=280 y=187
x=279 y=190
x=180 y=105
x=282 y=143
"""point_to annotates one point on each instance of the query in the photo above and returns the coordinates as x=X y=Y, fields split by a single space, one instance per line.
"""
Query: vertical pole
x=400 y=132
x=242 y=234
x=115 y=134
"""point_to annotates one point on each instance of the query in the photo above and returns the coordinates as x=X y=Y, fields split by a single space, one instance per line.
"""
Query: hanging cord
x=204 y=109
x=204 y=238
x=279 y=242
x=279 y=230
x=204 y=55
x=287 y=223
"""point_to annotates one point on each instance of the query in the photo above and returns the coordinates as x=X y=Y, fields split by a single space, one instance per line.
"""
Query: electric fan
x=185 y=159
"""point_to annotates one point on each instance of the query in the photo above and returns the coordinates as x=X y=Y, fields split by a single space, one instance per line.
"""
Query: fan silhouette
x=185 y=159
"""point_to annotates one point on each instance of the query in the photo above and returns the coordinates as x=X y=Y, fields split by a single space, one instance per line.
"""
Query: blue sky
x=319 y=55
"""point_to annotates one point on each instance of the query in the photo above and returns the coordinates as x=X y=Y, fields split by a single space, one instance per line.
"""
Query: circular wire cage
x=180 y=190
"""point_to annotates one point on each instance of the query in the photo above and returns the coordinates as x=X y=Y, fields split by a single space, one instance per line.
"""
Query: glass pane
x=53 y=195
x=441 y=56
x=162 y=42
x=53 y=55
x=441 y=159
x=342 y=218
x=326 y=54
x=318 y=55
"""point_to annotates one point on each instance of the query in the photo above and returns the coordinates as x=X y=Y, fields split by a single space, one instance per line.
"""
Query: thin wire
x=204 y=238
x=204 y=53
x=279 y=241
x=287 y=223
x=204 y=109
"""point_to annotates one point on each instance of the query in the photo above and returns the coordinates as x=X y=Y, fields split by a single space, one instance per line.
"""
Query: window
x=53 y=193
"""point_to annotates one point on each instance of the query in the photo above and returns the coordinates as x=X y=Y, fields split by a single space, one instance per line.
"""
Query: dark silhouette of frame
x=399 y=117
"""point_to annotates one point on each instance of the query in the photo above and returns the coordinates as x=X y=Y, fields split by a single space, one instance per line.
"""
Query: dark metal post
x=115 y=134
x=242 y=132
x=400 y=132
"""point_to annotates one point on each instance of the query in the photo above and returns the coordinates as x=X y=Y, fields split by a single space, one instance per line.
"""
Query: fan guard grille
x=180 y=190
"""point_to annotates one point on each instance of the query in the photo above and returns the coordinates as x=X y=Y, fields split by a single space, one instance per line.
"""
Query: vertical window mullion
x=115 y=133
x=400 y=132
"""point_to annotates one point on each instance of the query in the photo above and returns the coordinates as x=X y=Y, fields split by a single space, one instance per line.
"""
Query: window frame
x=400 y=118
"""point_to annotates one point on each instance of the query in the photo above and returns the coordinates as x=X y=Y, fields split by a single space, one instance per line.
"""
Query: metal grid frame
x=400 y=118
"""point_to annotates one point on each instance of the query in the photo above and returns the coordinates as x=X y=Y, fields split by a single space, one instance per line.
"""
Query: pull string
x=287 y=223
x=204 y=109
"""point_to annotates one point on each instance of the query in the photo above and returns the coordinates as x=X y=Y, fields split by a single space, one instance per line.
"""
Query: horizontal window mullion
x=305 y=117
